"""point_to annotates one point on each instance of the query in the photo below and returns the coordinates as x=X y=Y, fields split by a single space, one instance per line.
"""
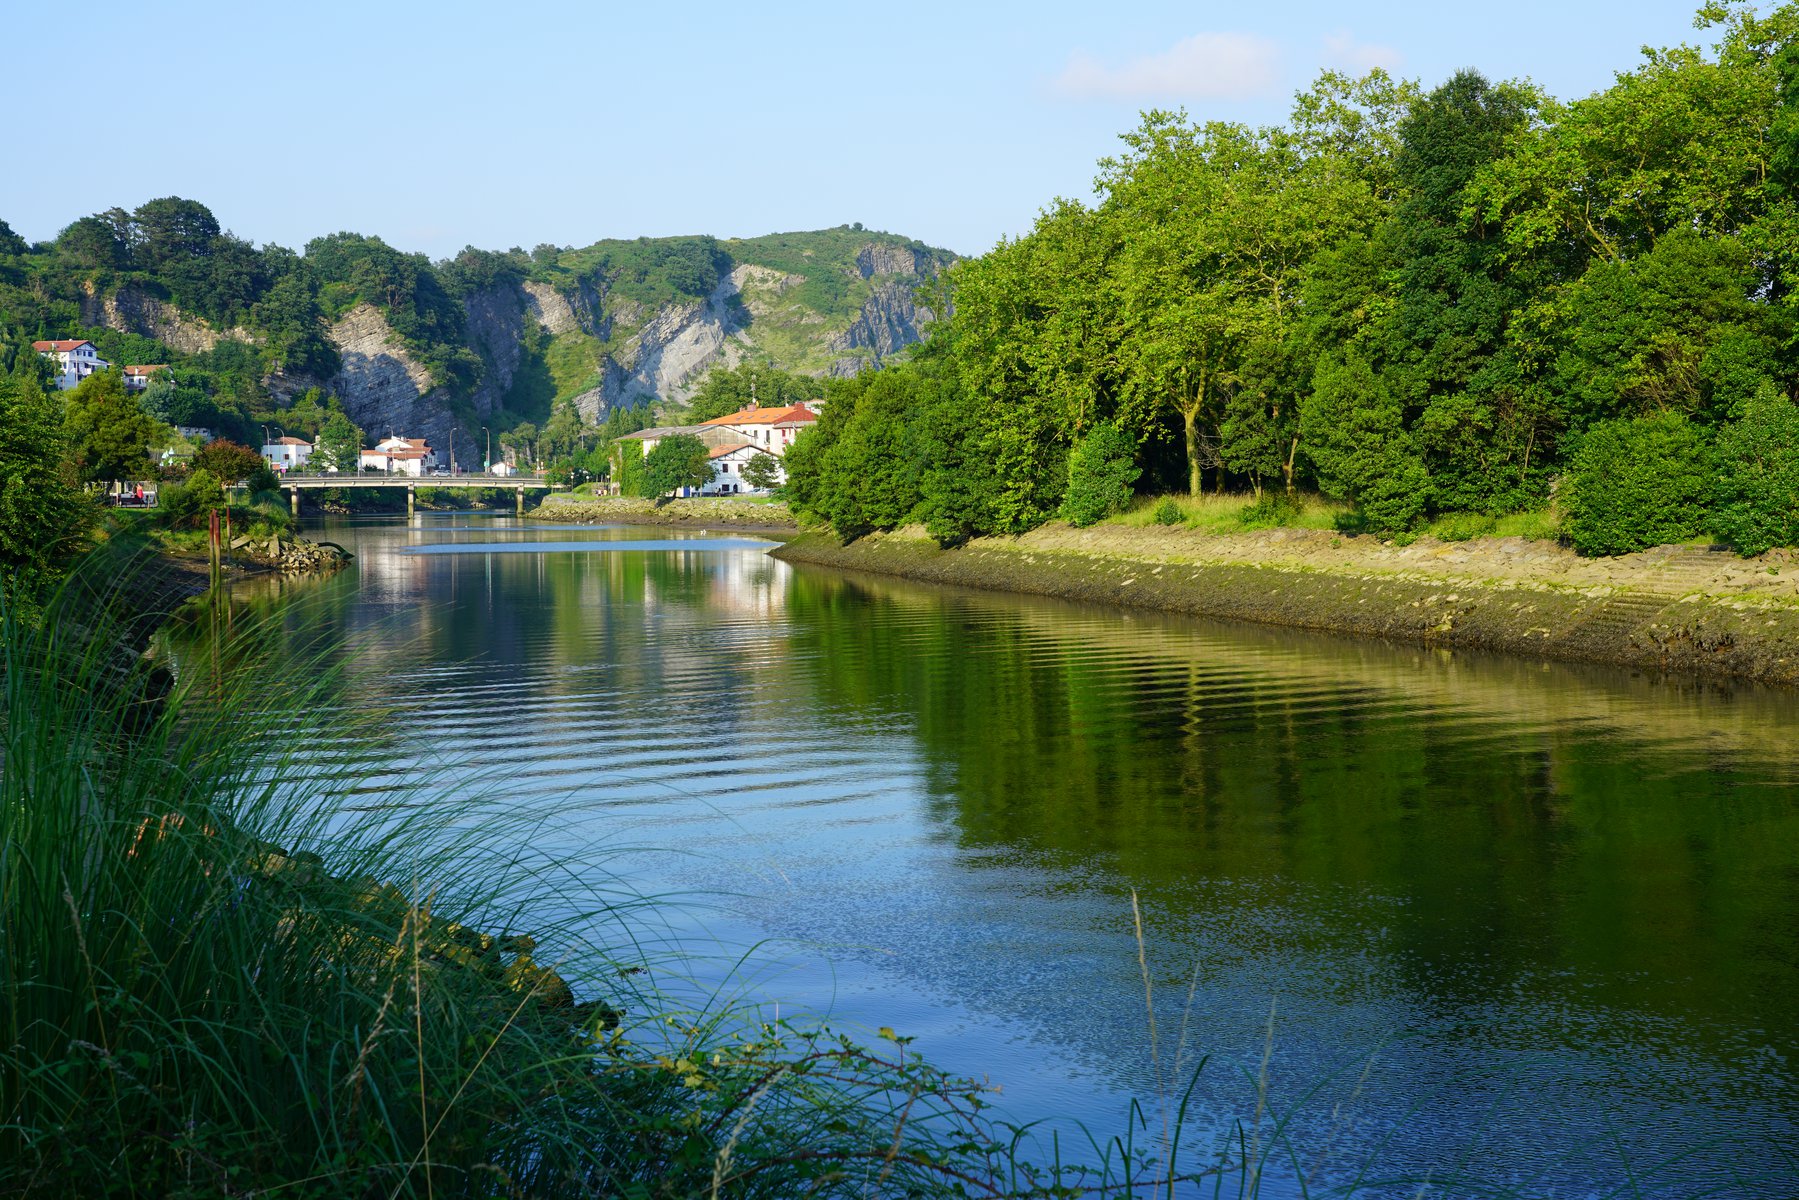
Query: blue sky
x=444 y=124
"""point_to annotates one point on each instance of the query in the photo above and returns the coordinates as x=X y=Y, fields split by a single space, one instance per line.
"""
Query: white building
x=771 y=430
x=400 y=456
x=137 y=377
x=287 y=453
x=727 y=470
x=75 y=360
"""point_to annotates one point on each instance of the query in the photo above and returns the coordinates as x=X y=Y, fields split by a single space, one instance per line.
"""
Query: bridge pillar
x=293 y=500
x=521 y=502
x=411 y=501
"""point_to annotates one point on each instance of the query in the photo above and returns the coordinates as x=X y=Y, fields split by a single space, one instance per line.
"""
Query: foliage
x=678 y=461
x=1168 y=512
x=228 y=461
x=1755 y=493
x=109 y=435
x=1417 y=302
x=182 y=504
x=1636 y=483
x=1101 y=469
x=44 y=515
x=726 y=390
x=339 y=447
x=762 y=472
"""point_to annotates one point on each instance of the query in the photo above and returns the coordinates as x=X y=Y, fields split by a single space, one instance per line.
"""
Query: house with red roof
x=771 y=429
x=137 y=376
x=75 y=360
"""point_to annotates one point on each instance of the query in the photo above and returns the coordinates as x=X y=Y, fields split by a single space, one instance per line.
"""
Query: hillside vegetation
x=1455 y=304
x=265 y=335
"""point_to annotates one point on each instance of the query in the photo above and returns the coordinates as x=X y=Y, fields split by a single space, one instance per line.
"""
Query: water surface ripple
x=1537 y=919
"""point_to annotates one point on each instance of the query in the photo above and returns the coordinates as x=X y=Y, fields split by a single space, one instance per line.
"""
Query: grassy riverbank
x=1679 y=608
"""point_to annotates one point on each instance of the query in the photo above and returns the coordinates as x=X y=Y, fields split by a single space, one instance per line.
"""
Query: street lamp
x=487 y=464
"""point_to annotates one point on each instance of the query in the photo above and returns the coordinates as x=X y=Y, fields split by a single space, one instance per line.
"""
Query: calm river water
x=1534 y=921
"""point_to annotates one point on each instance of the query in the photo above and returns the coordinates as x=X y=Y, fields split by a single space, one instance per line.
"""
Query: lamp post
x=487 y=464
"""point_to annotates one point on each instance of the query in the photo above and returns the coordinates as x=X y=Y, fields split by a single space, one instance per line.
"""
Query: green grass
x=1219 y=514
x=225 y=972
x=1238 y=513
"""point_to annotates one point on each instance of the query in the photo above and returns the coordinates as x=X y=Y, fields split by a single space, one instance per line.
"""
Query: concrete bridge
x=367 y=479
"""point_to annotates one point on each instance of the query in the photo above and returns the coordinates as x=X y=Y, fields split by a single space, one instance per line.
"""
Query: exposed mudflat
x=1673 y=608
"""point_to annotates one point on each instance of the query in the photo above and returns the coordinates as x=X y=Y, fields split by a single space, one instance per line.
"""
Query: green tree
x=339 y=446
x=1101 y=470
x=1755 y=492
x=1638 y=483
x=44 y=515
x=762 y=472
x=726 y=390
x=227 y=460
x=109 y=434
x=678 y=461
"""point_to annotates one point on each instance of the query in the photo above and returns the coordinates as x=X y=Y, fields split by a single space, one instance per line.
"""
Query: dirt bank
x=704 y=512
x=1675 y=608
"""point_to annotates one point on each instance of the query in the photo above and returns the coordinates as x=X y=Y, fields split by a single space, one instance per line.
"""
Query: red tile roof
x=60 y=346
x=765 y=416
x=718 y=451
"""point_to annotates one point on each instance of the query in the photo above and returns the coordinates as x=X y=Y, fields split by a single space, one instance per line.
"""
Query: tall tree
x=44 y=515
x=110 y=435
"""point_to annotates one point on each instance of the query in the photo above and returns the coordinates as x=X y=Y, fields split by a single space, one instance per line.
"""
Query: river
x=1532 y=922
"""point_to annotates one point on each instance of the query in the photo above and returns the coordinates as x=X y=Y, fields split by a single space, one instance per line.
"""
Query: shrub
x=1755 y=491
x=1168 y=511
x=1463 y=526
x=1101 y=469
x=183 y=503
x=1635 y=484
x=1271 y=510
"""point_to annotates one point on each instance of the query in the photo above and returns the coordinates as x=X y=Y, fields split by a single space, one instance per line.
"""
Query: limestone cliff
x=131 y=309
x=383 y=389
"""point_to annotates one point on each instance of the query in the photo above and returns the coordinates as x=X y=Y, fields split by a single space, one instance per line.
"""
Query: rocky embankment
x=704 y=512
x=293 y=555
x=1674 y=608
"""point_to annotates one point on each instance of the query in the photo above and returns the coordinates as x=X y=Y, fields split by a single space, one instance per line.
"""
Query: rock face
x=890 y=321
x=130 y=309
x=584 y=341
x=382 y=388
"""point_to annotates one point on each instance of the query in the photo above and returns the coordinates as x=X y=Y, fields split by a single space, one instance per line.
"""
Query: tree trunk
x=1196 y=481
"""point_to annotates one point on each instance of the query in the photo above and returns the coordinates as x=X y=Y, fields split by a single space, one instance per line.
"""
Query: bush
x=182 y=504
x=1462 y=526
x=1271 y=510
x=1101 y=469
x=1755 y=492
x=1635 y=484
x=1168 y=511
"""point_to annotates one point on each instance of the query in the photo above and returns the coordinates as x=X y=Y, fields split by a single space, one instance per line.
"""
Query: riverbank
x=1674 y=608
x=700 y=512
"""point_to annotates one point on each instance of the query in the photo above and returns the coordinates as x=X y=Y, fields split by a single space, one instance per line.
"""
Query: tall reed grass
x=221 y=973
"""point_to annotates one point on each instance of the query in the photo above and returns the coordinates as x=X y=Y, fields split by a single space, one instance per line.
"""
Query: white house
x=137 y=377
x=727 y=470
x=75 y=359
x=287 y=453
x=771 y=430
x=400 y=456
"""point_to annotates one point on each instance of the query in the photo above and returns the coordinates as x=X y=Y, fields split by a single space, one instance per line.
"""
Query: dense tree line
x=1466 y=300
